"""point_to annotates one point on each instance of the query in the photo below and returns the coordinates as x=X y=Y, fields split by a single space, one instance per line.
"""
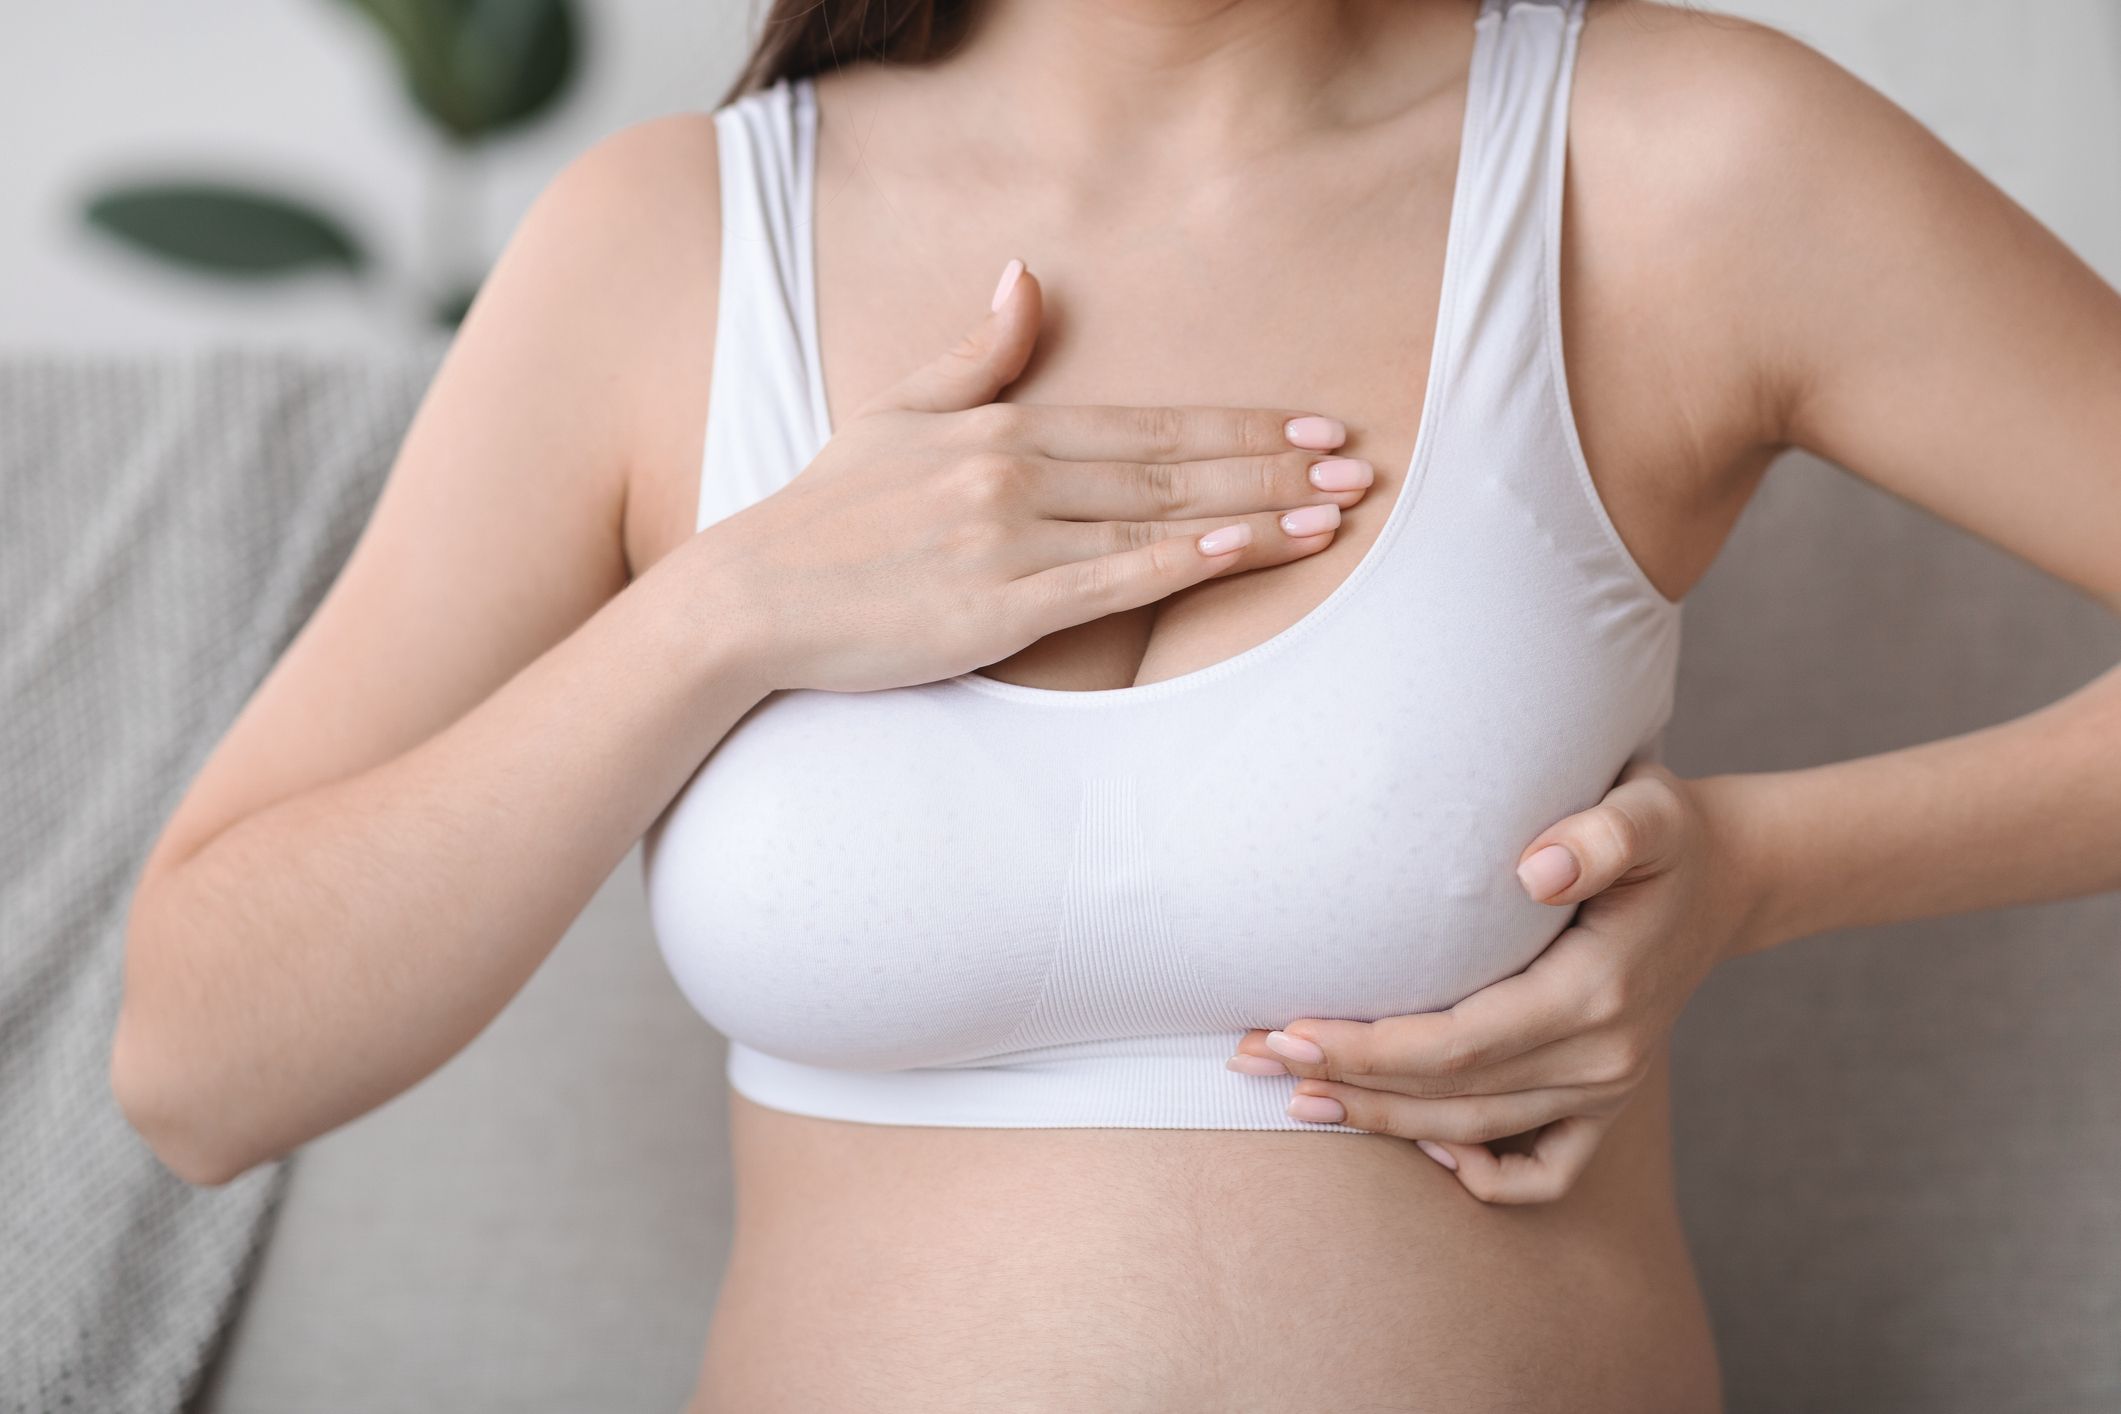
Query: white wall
x=298 y=91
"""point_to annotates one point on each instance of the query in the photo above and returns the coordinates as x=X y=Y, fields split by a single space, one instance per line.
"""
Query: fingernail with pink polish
x=1230 y=537
x=1320 y=434
x=1255 y=1065
x=1342 y=474
x=1296 y=1048
x=1008 y=282
x=1437 y=1152
x=1318 y=1109
x=1548 y=871
x=1310 y=520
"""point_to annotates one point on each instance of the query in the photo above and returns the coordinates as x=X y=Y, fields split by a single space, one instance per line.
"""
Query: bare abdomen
x=903 y=1270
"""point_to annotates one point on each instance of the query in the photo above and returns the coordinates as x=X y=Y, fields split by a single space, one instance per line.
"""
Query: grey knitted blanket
x=166 y=524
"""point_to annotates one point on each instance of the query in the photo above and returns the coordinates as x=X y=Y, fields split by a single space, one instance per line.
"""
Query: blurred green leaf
x=228 y=230
x=449 y=310
x=476 y=67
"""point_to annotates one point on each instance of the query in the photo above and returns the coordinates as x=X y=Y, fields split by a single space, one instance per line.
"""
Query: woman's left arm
x=1914 y=325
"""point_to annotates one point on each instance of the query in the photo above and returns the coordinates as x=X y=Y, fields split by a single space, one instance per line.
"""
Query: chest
x=1157 y=292
x=1235 y=295
x=1309 y=275
x=1320 y=819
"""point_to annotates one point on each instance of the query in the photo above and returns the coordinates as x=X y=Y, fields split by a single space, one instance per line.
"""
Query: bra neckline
x=1442 y=348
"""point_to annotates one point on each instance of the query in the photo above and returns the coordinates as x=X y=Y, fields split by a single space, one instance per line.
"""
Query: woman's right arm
x=484 y=714
x=477 y=723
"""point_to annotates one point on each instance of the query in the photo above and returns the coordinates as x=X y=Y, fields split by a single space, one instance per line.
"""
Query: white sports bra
x=970 y=902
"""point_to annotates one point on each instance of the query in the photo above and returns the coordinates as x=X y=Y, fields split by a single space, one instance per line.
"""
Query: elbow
x=175 y=1127
x=148 y=1080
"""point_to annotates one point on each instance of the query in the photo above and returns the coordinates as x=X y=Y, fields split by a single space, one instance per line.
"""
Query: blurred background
x=309 y=100
x=421 y=129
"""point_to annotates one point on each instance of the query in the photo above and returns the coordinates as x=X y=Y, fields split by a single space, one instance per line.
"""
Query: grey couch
x=1900 y=1149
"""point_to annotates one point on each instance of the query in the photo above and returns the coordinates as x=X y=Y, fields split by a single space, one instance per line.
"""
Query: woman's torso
x=884 y=1266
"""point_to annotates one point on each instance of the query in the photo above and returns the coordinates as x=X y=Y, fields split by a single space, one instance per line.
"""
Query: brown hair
x=802 y=37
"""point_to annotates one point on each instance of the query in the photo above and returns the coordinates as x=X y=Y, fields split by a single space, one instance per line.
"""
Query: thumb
x=1633 y=827
x=985 y=360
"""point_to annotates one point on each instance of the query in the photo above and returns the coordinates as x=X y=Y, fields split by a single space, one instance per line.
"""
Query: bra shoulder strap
x=1516 y=136
x=765 y=420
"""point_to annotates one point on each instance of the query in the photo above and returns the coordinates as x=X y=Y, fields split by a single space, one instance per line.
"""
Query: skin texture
x=531 y=649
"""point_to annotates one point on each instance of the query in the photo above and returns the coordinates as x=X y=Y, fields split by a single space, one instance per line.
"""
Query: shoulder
x=1698 y=83
x=603 y=275
x=634 y=224
x=1714 y=123
x=650 y=190
x=626 y=227
x=1732 y=173
x=644 y=153
x=611 y=277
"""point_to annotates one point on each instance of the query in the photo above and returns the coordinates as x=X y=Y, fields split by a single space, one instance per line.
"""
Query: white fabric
x=970 y=902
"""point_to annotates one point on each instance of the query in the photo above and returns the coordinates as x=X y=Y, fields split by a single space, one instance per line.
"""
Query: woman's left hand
x=1554 y=1051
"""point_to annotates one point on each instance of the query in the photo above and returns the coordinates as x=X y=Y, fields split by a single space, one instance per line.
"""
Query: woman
x=1103 y=856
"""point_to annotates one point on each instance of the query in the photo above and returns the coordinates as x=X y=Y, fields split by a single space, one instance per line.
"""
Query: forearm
x=320 y=956
x=2020 y=812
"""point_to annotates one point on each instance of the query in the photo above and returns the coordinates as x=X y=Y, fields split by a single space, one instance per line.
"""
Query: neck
x=1209 y=83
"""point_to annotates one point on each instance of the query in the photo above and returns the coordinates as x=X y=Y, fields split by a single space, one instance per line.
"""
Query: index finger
x=1172 y=432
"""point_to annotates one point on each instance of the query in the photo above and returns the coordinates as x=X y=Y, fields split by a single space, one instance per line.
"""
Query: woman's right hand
x=939 y=531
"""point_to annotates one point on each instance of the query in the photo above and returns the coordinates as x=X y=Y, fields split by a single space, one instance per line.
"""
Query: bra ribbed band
x=1161 y=1082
